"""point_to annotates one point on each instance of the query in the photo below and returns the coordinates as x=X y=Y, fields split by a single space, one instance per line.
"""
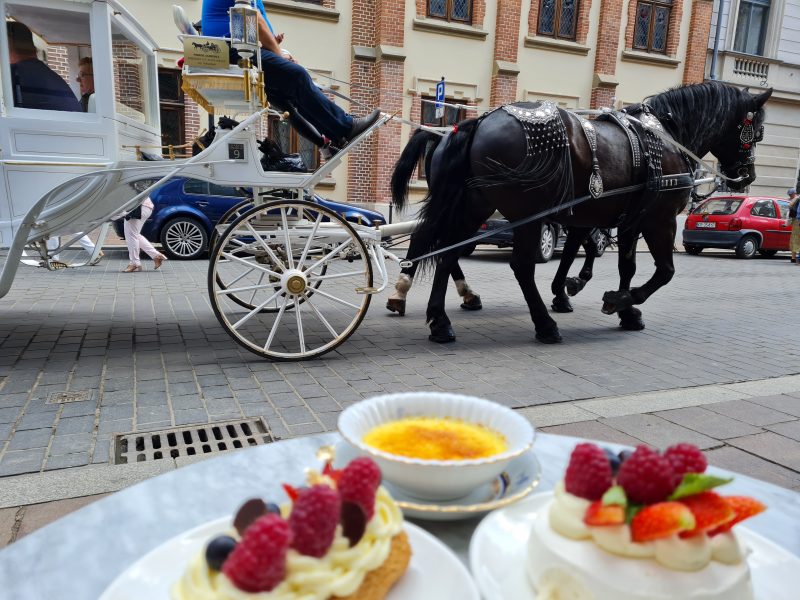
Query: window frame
x=764 y=29
x=172 y=105
x=461 y=114
x=294 y=142
x=557 y=22
x=449 y=12
x=669 y=4
x=759 y=204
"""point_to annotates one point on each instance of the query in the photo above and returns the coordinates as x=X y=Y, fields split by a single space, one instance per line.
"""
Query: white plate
x=519 y=479
x=433 y=573
x=498 y=549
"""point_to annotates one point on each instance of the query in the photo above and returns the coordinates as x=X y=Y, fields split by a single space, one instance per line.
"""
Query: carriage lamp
x=244 y=28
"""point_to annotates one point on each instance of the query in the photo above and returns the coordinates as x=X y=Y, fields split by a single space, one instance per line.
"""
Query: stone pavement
x=717 y=365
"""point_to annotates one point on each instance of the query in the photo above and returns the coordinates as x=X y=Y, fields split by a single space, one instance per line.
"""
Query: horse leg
x=524 y=267
x=661 y=241
x=621 y=301
x=470 y=300
x=587 y=270
x=438 y=321
x=561 y=283
x=397 y=301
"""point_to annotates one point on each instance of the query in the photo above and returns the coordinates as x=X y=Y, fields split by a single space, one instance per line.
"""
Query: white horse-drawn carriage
x=288 y=279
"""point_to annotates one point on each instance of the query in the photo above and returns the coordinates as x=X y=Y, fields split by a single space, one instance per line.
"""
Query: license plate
x=706 y=225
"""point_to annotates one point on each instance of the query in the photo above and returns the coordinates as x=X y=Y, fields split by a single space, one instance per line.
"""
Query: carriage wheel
x=226 y=219
x=279 y=254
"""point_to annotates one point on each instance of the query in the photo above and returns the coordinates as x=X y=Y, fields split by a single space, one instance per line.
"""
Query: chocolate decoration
x=248 y=513
x=354 y=522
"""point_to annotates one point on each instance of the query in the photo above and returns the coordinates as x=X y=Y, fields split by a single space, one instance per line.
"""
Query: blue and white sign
x=440 y=99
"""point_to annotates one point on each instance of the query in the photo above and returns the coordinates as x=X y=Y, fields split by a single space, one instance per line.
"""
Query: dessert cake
x=340 y=538
x=640 y=525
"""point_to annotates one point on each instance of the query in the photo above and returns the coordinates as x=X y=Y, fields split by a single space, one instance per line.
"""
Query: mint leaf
x=631 y=511
x=694 y=483
x=615 y=495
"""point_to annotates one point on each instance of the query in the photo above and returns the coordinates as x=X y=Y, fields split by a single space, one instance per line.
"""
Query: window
x=751 y=26
x=195 y=186
x=558 y=18
x=290 y=142
x=171 y=107
x=651 y=24
x=451 y=10
x=763 y=208
x=225 y=190
x=45 y=47
x=451 y=117
x=131 y=77
x=783 y=206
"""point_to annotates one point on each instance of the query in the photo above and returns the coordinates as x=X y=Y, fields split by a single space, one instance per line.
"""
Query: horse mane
x=697 y=113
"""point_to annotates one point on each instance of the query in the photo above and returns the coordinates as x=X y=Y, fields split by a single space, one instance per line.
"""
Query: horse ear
x=762 y=98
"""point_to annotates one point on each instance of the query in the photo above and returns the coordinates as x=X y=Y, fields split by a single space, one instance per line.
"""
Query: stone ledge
x=367 y=53
x=447 y=28
x=650 y=59
x=544 y=43
x=304 y=9
x=604 y=80
x=503 y=67
x=385 y=52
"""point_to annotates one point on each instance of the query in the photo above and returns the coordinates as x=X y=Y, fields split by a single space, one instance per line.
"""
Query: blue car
x=187 y=210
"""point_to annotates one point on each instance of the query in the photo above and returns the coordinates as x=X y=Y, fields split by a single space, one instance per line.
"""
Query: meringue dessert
x=640 y=526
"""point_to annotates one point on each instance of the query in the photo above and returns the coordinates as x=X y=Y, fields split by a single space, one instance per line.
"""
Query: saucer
x=519 y=479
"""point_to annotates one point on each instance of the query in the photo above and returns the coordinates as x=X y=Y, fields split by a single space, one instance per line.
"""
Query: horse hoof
x=444 y=335
x=474 y=303
x=395 y=305
x=617 y=301
x=549 y=338
x=561 y=304
x=574 y=285
x=631 y=324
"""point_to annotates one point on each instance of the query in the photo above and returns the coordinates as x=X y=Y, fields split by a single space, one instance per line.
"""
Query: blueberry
x=613 y=459
x=218 y=550
x=273 y=508
x=625 y=455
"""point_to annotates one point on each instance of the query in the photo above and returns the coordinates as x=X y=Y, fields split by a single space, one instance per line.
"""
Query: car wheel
x=547 y=244
x=767 y=253
x=184 y=238
x=747 y=247
x=693 y=250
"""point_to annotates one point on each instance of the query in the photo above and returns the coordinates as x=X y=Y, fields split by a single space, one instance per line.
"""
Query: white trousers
x=135 y=239
x=86 y=242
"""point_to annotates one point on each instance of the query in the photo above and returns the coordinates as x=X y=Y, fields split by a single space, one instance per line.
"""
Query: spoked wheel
x=227 y=218
x=277 y=256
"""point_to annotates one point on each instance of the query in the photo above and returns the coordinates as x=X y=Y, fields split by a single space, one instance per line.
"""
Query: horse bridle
x=748 y=138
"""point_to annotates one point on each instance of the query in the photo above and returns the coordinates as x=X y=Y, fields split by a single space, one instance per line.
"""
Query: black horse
x=520 y=165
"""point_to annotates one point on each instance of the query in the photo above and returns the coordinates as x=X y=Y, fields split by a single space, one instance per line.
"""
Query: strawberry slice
x=599 y=514
x=660 y=521
x=743 y=507
x=710 y=511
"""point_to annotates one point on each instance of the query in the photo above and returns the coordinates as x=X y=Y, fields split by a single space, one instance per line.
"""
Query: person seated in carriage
x=288 y=85
x=35 y=85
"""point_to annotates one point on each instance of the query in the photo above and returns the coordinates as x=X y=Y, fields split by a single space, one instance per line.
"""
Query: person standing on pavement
x=135 y=241
x=794 y=221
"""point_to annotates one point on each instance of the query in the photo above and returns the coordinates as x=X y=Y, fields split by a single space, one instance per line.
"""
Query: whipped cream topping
x=680 y=554
x=339 y=573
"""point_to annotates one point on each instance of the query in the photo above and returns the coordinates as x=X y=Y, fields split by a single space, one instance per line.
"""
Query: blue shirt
x=35 y=85
x=216 y=21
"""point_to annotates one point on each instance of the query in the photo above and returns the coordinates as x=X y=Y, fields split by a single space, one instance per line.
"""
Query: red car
x=748 y=224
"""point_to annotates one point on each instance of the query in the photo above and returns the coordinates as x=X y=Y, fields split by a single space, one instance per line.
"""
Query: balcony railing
x=750 y=67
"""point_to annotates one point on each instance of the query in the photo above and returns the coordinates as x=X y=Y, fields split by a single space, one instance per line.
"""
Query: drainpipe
x=715 y=53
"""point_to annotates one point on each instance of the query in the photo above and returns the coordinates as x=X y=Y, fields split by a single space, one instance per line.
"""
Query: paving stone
x=790 y=429
x=32 y=438
x=116 y=412
x=69 y=444
x=37 y=421
x=217 y=393
x=120 y=426
x=102 y=449
x=9 y=415
x=66 y=461
x=743 y=462
x=75 y=425
x=39 y=515
x=658 y=432
x=8 y=519
x=285 y=400
x=152 y=414
x=184 y=389
x=593 y=430
x=151 y=399
x=78 y=409
x=786 y=403
x=306 y=429
x=710 y=423
x=5 y=431
x=191 y=416
x=296 y=415
x=749 y=412
x=772 y=447
x=22 y=461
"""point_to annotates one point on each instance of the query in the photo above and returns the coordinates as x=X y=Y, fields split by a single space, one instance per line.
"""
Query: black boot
x=361 y=124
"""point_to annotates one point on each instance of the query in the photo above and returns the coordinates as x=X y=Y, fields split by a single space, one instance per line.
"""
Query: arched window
x=751 y=26
x=558 y=18
x=651 y=25
x=451 y=10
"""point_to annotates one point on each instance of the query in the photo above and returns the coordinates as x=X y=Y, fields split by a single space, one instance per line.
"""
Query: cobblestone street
x=717 y=364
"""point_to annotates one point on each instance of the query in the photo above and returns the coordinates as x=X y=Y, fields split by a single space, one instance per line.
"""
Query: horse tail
x=421 y=142
x=447 y=187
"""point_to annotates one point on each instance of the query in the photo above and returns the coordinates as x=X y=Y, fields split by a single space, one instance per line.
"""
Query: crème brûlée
x=325 y=545
x=651 y=530
x=435 y=438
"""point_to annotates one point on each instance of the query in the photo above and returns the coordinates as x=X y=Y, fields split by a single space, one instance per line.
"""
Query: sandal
x=159 y=260
x=132 y=268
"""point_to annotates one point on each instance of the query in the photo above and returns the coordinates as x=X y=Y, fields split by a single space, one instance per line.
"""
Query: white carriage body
x=41 y=149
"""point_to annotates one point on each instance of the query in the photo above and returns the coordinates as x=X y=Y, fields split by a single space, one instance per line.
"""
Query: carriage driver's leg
x=523 y=264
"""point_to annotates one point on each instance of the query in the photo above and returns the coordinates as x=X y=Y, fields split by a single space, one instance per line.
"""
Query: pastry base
x=378 y=582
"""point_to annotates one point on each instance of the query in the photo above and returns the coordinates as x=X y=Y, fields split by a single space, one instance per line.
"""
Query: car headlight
x=142 y=184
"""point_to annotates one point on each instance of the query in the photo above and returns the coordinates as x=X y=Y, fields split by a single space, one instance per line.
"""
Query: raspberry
x=646 y=476
x=315 y=515
x=258 y=563
x=358 y=483
x=685 y=458
x=589 y=472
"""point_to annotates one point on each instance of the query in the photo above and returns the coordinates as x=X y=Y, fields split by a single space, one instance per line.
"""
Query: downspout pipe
x=715 y=52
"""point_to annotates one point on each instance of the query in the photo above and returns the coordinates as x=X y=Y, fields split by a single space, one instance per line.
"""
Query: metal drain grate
x=63 y=397
x=192 y=440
